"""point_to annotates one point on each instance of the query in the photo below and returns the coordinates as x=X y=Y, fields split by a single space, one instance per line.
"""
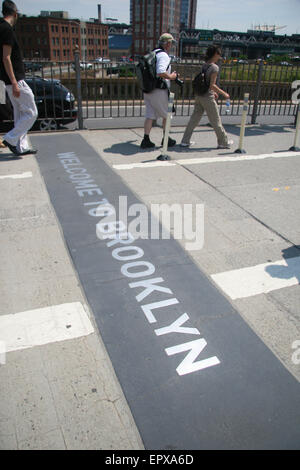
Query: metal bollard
x=294 y=148
x=257 y=92
x=243 y=124
x=78 y=87
x=164 y=155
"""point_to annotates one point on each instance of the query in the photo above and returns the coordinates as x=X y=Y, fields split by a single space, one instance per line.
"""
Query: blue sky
x=233 y=15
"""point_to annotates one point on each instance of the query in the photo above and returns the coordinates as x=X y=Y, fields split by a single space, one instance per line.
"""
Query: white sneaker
x=183 y=144
x=227 y=146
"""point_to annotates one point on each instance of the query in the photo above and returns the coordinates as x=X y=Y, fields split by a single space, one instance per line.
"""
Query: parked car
x=124 y=59
x=103 y=61
x=55 y=104
x=243 y=61
x=84 y=66
x=285 y=63
x=32 y=67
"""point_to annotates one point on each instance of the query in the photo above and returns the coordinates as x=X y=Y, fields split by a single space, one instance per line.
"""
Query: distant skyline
x=231 y=15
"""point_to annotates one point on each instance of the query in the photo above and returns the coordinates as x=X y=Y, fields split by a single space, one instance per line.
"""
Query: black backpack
x=146 y=72
x=200 y=85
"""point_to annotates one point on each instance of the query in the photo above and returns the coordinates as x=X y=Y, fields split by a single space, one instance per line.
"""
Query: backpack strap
x=161 y=82
x=204 y=70
x=158 y=52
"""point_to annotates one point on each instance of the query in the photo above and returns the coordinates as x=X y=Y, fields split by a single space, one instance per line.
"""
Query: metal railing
x=105 y=90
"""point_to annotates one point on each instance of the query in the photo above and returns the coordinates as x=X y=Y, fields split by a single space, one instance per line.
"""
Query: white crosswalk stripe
x=203 y=160
x=44 y=325
x=259 y=279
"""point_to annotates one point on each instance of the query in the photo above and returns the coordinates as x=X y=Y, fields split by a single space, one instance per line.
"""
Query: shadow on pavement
x=130 y=147
x=292 y=269
x=259 y=130
x=8 y=157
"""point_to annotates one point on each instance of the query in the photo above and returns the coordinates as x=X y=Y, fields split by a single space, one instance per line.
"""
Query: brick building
x=54 y=38
x=151 y=18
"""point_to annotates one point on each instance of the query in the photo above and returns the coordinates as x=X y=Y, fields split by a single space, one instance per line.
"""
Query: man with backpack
x=156 y=100
x=207 y=90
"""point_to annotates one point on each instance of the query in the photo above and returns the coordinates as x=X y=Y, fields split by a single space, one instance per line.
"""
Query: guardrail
x=111 y=89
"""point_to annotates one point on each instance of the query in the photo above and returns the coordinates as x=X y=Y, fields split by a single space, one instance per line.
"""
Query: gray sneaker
x=183 y=144
x=227 y=146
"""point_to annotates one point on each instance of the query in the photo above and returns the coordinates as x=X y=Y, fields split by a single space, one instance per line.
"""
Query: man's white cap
x=167 y=37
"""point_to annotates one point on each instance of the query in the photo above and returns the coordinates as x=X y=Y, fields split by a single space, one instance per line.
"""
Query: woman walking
x=207 y=102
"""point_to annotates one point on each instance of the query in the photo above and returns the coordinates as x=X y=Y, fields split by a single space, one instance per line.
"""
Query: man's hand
x=168 y=76
x=16 y=90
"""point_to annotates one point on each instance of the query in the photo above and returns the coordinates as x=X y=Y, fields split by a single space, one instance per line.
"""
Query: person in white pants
x=25 y=114
x=13 y=74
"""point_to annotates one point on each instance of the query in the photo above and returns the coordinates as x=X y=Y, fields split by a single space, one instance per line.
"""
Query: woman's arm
x=214 y=87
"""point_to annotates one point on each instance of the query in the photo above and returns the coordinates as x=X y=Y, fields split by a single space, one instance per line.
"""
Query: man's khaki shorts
x=156 y=104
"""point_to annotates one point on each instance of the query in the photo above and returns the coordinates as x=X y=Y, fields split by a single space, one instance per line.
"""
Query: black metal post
x=78 y=87
x=257 y=92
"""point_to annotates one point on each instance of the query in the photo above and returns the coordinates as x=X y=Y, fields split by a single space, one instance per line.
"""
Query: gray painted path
x=249 y=400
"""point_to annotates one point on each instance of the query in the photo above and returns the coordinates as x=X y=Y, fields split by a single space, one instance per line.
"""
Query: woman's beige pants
x=206 y=103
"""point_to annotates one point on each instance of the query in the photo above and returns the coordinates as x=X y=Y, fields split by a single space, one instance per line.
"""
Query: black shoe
x=171 y=142
x=12 y=148
x=163 y=157
x=29 y=152
x=147 y=144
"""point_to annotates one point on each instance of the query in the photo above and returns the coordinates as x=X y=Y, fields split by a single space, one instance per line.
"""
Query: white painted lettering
x=102 y=211
x=85 y=184
x=103 y=230
x=124 y=239
x=89 y=192
x=146 y=272
x=176 y=327
x=66 y=155
x=79 y=176
x=138 y=253
x=70 y=161
x=76 y=170
x=188 y=365
x=150 y=286
x=147 y=309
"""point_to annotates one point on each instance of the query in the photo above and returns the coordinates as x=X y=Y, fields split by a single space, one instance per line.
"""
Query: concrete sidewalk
x=60 y=395
x=65 y=394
